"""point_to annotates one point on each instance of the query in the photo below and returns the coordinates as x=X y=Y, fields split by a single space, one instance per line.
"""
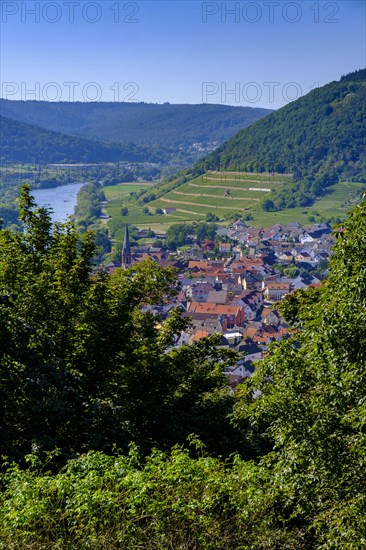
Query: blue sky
x=254 y=53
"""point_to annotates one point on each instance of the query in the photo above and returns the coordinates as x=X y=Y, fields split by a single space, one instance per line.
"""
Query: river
x=61 y=199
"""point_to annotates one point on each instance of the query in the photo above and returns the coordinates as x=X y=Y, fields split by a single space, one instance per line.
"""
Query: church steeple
x=126 y=250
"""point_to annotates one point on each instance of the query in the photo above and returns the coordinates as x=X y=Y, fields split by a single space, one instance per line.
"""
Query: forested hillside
x=320 y=139
x=171 y=126
x=320 y=136
x=86 y=369
x=25 y=143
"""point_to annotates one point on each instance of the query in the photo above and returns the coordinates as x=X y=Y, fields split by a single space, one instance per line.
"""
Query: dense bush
x=82 y=367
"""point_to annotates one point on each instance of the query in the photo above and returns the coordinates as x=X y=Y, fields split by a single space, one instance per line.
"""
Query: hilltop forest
x=176 y=127
x=114 y=439
x=25 y=143
x=319 y=139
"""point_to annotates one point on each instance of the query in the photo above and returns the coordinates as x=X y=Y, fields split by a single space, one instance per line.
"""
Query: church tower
x=126 y=250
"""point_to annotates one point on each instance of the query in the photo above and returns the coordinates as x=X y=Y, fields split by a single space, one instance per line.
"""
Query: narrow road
x=200 y=204
x=226 y=187
x=221 y=180
x=229 y=197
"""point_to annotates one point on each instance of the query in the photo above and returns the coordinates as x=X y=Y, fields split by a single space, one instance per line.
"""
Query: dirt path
x=199 y=204
x=225 y=187
x=205 y=178
x=229 y=197
x=230 y=173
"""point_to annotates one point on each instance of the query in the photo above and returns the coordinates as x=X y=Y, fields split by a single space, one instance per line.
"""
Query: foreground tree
x=108 y=369
x=82 y=366
x=313 y=403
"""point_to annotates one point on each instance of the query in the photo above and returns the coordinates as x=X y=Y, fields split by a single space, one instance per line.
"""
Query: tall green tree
x=307 y=399
x=84 y=363
x=312 y=402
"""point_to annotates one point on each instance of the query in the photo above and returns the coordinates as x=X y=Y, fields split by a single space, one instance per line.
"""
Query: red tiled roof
x=278 y=286
x=250 y=332
x=199 y=335
x=199 y=264
x=205 y=307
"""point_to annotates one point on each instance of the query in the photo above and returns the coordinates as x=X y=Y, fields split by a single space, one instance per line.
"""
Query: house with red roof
x=230 y=316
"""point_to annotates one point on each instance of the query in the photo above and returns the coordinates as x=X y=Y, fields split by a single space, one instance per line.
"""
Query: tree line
x=98 y=409
x=27 y=143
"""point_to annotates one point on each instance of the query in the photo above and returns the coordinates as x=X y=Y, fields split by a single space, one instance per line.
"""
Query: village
x=236 y=294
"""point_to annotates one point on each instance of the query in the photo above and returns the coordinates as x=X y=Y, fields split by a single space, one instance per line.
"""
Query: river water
x=62 y=200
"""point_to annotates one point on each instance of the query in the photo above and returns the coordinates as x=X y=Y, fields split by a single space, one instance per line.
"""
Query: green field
x=335 y=204
x=119 y=196
x=222 y=193
x=124 y=189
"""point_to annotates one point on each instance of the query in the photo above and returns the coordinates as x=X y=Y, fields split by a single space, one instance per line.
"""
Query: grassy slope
x=320 y=138
x=195 y=199
x=118 y=197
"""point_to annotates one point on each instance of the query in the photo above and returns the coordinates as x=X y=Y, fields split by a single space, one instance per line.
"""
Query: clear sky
x=254 y=53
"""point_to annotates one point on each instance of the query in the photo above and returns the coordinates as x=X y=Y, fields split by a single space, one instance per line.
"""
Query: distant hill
x=167 y=125
x=21 y=142
x=319 y=138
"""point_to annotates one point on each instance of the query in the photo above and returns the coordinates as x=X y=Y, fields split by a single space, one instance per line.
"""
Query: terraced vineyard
x=119 y=196
x=221 y=193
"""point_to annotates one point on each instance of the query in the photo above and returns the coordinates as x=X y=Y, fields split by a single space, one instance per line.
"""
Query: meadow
x=119 y=196
x=224 y=193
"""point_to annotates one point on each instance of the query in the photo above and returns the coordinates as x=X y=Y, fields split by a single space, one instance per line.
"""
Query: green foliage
x=268 y=205
x=211 y=217
x=205 y=231
x=88 y=208
x=68 y=382
x=82 y=365
x=166 y=126
x=181 y=234
x=9 y=214
x=313 y=401
x=319 y=138
x=171 y=501
x=291 y=271
x=21 y=142
x=355 y=76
